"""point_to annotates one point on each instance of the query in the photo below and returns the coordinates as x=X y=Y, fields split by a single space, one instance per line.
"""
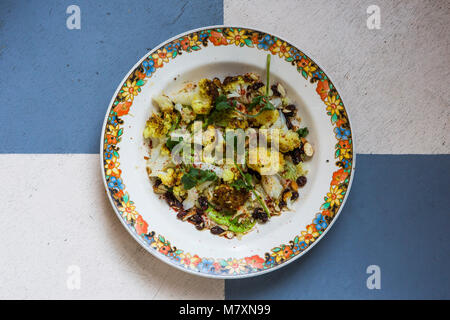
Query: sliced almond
x=281 y=90
x=308 y=148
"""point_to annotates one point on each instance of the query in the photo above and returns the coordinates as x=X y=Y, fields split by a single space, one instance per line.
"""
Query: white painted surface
x=55 y=214
x=394 y=81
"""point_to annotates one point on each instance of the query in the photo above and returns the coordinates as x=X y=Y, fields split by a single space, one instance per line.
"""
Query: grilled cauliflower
x=168 y=178
x=204 y=97
x=267 y=117
x=157 y=126
x=288 y=141
x=185 y=95
x=265 y=161
x=163 y=103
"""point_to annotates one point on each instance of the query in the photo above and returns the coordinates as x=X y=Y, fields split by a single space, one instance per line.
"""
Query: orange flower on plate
x=255 y=261
x=339 y=177
x=322 y=89
x=217 y=38
x=141 y=226
x=122 y=108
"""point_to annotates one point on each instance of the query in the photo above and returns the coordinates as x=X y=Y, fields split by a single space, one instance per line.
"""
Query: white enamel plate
x=221 y=51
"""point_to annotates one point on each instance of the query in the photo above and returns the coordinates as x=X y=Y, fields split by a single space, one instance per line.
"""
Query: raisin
x=294 y=195
x=181 y=214
x=256 y=86
x=296 y=155
x=217 y=230
x=301 y=181
x=289 y=123
x=260 y=214
x=172 y=201
x=203 y=202
x=196 y=219
x=157 y=182
x=289 y=110
x=275 y=91
x=254 y=173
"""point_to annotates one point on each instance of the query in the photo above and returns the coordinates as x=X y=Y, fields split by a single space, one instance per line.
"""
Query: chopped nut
x=281 y=90
x=309 y=151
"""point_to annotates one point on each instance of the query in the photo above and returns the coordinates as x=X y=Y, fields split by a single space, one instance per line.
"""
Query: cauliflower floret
x=267 y=117
x=272 y=186
x=179 y=192
x=202 y=101
x=158 y=126
x=185 y=95
x=228 y=175
x=186 y=112
x=163 y=102
x=288 y=141
x=168 y=178
x=155 y=127
x=209 y=136
x=232 y=84
x=265 y=161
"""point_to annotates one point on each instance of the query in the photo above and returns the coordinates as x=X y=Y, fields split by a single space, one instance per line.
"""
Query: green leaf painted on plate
x=326 y=205
x=140 y=83
x=248 y=42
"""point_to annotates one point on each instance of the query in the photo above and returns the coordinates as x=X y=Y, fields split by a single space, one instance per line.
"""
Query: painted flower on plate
x=236 y=36
x=334 y=197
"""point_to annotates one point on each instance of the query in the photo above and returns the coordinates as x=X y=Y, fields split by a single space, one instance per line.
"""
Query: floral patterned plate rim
x=225 y=48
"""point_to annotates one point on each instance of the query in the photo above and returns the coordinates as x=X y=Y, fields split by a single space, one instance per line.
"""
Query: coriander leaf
x=239 y=185
x=172 y=143
x=196 y=176
x=303 y=132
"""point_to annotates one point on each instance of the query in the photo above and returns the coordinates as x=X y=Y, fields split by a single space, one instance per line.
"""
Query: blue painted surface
x=56 y=83
x=397 y=217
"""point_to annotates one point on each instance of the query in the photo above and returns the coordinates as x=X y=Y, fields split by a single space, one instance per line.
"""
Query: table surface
x=56 y=215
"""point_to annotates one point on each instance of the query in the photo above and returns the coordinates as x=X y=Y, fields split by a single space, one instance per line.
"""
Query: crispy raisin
x=289 y=110
x=172 y=201
x=275 y=91
x=196 y=219
x=203 y=202
x=181 y=214
x=260 y=214
x=254 y=173
x=296 y=155
x=301 y=181
x=217 y=230
x=256 y=86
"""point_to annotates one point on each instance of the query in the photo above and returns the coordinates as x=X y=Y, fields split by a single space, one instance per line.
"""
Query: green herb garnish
x=303 y=132
x=170 y=144
x=195 y=176
x=248 y=181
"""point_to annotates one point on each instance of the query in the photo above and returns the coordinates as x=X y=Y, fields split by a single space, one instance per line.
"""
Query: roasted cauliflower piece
x=267 y=117
x=168 y=178
x=265 y=161
x=288 y=141
x=164 y=103
x=204 y=97
x=228 y=198
x=158 y=126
